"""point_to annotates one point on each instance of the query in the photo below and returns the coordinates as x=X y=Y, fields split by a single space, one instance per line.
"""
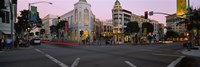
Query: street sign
x=150 y=13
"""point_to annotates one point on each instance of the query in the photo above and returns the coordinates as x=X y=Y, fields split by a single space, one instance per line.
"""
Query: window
x=76 y=16
x=86 y=17
x=71 y=19
x=80 y=17
x=7 y=17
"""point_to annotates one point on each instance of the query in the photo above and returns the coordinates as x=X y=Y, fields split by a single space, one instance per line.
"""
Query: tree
x=60 y=27
x=42 y=31
x=132 y=27
x=148 y=26
x=53 y=29
x=61 y=24
x=23 y=23
x=171 y=34
x=194 y=19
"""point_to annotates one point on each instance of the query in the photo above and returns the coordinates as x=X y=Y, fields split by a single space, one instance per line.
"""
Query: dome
x=82 y=0
x=117 y=2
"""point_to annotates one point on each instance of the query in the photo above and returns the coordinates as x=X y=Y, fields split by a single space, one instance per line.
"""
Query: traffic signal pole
x=12 y=22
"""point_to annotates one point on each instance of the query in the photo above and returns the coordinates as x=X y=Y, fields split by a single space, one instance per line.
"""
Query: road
x=46 y=55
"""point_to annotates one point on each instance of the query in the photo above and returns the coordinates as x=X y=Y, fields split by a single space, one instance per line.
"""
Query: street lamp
x=37 y=3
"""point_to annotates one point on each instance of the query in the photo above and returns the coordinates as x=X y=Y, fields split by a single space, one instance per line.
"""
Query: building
x=80 y=19
x=140 y=20
x=156 y=28
x=161 y=28
x=48 y=21
x=172 y=21
x=122 y=16
x=97 y=29
x=7 y=17
x=107 y=30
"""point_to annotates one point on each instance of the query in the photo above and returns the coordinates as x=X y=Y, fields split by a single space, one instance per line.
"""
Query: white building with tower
x=79 y=19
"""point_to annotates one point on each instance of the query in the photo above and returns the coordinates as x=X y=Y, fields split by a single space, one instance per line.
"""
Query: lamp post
x=12 y=22
x=29 y=5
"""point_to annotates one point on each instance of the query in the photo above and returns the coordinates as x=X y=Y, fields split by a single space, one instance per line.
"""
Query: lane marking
x=75 y=62
x=175 y=62
x=1 y=52
x=148 y=50
x=52 y=58
x=130 y=64
x=166 y=55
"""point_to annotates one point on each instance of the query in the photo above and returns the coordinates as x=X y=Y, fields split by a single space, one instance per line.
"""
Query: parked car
x=35 y=41
x=23 y=42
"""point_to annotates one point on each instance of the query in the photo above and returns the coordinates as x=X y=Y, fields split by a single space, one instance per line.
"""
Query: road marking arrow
x=75 y=62
x=52 y=58
x=130 y=64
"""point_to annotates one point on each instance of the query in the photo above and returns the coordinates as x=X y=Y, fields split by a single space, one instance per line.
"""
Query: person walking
x=1 y=43
x=16 y=42
x=9 y=43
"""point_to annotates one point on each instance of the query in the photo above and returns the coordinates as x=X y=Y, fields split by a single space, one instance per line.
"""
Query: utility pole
x=12 y=23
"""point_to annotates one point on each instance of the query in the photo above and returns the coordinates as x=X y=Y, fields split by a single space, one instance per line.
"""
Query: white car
x=35 y=41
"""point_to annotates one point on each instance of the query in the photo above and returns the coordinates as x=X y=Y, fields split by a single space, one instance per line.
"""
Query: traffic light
x=146 y=14
x=189 y=25
x=81 y=32
x=58 y=18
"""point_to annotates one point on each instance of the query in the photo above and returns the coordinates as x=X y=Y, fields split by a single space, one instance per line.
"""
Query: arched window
x=80 y=17
x=76 y=16
x=86 y=17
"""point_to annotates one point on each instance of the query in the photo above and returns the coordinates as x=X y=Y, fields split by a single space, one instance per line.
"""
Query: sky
x=102 y=9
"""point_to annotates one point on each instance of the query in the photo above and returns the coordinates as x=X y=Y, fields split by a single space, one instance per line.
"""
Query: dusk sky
x=102 y=8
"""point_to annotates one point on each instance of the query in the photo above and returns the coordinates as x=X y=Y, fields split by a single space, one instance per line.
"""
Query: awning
x=6 y=32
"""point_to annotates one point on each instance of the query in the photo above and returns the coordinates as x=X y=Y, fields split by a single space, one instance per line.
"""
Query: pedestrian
x=9 y=43
x=16 y=42
x=1 y=43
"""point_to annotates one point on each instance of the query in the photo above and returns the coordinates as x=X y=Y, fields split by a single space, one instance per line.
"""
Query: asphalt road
x=47 y=55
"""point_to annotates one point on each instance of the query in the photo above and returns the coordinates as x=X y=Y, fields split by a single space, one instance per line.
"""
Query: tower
x=117 y=20
x=83 y=21
x=83 y=0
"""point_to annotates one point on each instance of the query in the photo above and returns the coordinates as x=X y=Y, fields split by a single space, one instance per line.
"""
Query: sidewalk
x=192 y=52
x=64 y=43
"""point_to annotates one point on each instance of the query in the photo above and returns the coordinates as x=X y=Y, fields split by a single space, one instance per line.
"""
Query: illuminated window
x=76 y=16
x=80 y=17
x=86 y=17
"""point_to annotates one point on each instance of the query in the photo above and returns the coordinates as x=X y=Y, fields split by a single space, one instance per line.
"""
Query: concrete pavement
x=192 y=52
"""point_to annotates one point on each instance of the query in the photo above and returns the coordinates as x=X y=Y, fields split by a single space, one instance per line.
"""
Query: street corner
x=191 y=52
x=64 y=43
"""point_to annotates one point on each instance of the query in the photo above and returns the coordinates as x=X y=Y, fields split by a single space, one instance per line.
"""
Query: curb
x=191 y=53
x=64 y=43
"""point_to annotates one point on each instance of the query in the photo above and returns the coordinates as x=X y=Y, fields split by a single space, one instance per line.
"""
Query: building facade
x=97 y=29
x=172 y=21
x=161 y=28
x=120 y=18
x=80 y=19
x=8 y=16
x=48 y=21
x=107 y=30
